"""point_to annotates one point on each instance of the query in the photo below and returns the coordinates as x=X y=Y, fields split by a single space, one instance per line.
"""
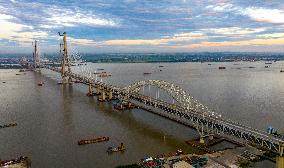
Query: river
x=52 y=118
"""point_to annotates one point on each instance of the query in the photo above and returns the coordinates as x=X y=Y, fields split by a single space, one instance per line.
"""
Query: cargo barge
x=91 y=141
x=21 y=161
x=8 y=125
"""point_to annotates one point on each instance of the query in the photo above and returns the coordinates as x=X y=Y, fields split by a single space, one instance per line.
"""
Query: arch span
x=181 y=97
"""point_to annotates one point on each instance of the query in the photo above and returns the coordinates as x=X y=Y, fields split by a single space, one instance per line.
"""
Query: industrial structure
x=184 y=109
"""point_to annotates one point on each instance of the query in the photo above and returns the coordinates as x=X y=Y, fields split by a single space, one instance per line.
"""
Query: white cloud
x=69 y=18
x=264 y=15
x=234 y=31
x=18 y=32
x=255 y=13
x=84 y=42
x=272 y=35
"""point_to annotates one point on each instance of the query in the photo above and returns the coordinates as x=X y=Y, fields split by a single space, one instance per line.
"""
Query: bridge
x=185 y=109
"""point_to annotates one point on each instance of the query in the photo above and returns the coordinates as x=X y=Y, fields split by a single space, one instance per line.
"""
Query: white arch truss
x=181 y=97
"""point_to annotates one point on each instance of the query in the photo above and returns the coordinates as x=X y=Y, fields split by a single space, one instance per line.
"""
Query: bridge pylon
x=36 y=56
x=65 y=64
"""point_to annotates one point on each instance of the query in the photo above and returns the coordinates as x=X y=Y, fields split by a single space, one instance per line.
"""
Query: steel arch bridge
x=182 y=98
x=185 y=110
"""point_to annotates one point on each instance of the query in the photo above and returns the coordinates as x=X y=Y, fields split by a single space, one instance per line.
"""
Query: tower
x=36 y=56
x=65 y=65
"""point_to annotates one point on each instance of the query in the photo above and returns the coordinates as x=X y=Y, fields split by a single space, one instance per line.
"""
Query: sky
x=143 y=25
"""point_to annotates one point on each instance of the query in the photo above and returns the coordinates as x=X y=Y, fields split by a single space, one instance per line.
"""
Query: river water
x=52 y=118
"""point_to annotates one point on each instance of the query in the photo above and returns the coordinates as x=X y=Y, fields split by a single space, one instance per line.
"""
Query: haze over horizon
x=115 y=26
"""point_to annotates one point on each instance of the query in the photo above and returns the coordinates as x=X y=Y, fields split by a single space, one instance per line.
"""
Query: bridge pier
x=281 y=150
x=280 y=161
x=211 y=137
x=202 y=141
x=109 y=95
x=91 y=90
x=102 y=95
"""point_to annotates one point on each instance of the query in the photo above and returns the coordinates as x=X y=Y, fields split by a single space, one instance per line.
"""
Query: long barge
x=8 y=125
x=14 y=162
x=91 y=141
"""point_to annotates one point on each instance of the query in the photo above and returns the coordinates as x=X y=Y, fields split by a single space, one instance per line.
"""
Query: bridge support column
x=280 y=162
x=102 y=96
x=282 y=150
x=201 y=140
x=91 y=90
x=97 y=90
x=110 y=95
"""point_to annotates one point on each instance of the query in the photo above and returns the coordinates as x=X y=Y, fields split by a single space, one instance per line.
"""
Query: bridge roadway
x=213 y=124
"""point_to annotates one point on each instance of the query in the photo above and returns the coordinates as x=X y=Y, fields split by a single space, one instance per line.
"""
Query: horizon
x=131 y=26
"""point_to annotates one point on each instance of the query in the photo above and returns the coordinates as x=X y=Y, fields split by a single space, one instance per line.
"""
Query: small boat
x=40 y=84
x=117 y=149
x=90 y=141
x=221 y=67
x=100 y=69
x=251 y=67
x=77 y=81
x=161 y=66
x=104 y=74
x=209 y=64
x=147 y=73
x=3 y=82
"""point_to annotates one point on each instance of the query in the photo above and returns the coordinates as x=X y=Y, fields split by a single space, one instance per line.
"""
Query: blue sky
x=143 y=25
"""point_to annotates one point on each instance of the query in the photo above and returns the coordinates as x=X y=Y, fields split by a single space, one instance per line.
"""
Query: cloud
x=278 y=41
x=18 y=32
x=264 y=15
x=83 y=42
x=70 y=18
x=136 y=42
x=235 y=31
x=181 y=37
x=258 y=14
x=272 y=35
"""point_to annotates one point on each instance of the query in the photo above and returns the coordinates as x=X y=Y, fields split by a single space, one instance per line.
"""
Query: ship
x=15 y=162
x=117 y=149
x=104 y=74
x=40 y=84
x=77 y=63
x=90 y=141
x=8 y=125
x=147 y=73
